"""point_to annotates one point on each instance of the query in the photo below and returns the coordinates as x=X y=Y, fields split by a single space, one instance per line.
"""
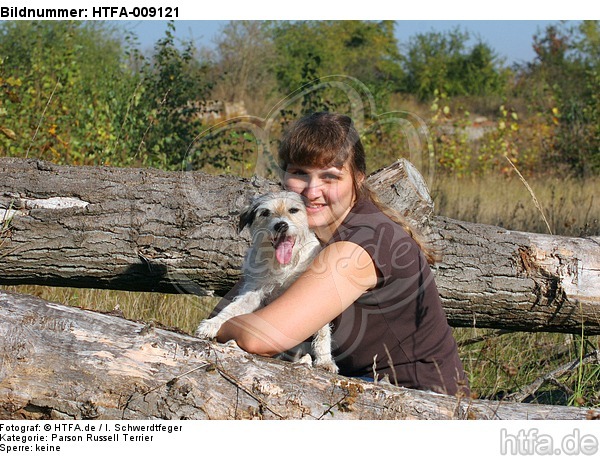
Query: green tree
x=563 y=84
x=309 y=51
x=174 y=83
x=81 y=93
x=441 y=62
x=60 y=106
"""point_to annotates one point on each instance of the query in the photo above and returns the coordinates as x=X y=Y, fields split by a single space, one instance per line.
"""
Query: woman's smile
x=328 y=195
x=314 y=207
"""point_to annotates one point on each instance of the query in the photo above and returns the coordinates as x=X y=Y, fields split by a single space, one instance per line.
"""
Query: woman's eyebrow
x=307 y=169
x=333 y=169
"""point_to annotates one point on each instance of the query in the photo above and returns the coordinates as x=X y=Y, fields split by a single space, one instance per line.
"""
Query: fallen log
x=496 y=278
x=61 y=362
x=150 y=230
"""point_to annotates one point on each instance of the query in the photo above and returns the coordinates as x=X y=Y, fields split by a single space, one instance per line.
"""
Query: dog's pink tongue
x=283 y=250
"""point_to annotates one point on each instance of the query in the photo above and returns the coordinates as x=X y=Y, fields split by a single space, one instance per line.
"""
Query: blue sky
x=510 y=39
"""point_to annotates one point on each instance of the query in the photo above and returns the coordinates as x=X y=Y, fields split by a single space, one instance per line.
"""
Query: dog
x=282 y=248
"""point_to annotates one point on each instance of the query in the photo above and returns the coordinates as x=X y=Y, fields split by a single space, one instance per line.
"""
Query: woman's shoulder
x=367 y=221
x=386 y=241
x=365 y=206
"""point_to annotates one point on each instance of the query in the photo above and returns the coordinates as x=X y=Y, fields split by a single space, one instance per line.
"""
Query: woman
x=372 y=278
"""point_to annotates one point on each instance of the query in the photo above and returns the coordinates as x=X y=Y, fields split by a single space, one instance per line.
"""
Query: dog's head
x=278 y=220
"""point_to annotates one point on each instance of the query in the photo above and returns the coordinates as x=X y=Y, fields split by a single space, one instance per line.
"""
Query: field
x=498 y=363
x=571 y=206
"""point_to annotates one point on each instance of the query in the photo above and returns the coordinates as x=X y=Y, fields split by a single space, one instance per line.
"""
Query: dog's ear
x=247 y=216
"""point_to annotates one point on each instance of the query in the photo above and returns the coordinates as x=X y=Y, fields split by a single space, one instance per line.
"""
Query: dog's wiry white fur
x=282 y=248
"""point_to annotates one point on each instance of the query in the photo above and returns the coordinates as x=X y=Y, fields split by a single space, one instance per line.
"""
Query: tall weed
x=572 y=205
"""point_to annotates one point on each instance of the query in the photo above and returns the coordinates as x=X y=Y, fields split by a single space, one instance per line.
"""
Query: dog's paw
x=306 y=360
x=326 y=364
x=207 y=329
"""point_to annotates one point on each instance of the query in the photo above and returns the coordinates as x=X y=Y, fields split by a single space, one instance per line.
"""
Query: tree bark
x=150 y=230
x=60 y=362
x=496 y=278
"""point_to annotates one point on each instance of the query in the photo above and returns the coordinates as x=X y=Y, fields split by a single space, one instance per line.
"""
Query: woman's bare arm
x=339 y=275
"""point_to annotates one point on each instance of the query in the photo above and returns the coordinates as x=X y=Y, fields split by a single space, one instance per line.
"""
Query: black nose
x=281 y=227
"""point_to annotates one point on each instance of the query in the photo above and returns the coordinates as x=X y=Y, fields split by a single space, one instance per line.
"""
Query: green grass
x=500 y=364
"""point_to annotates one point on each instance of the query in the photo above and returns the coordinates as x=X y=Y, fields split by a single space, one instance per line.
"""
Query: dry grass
x=171 y=310
x=572 y=206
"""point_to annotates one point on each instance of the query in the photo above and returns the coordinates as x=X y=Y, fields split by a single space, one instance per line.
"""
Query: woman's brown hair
x=325 y=139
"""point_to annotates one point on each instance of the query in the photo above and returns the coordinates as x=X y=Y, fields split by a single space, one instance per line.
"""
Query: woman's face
x=328 y=194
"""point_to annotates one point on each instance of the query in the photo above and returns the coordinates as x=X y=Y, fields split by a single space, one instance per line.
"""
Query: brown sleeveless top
x=399 y=328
